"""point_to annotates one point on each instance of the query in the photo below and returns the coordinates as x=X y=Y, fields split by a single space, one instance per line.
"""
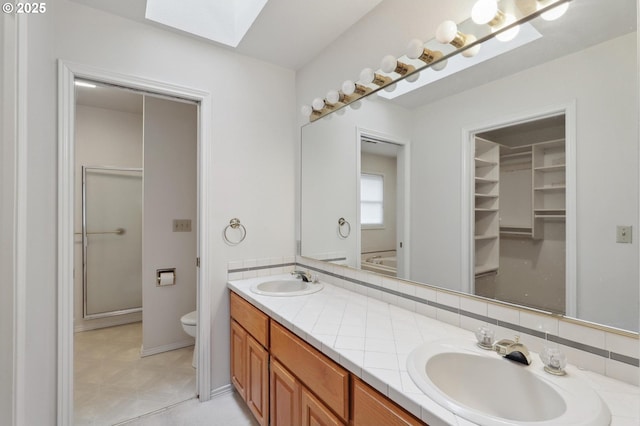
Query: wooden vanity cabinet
x=287 y=382
x=284 y=392
x=292 y=404
x=372 y=408
x=323 y=377
x=315 y=413
x=249 y=356
x=238 y=359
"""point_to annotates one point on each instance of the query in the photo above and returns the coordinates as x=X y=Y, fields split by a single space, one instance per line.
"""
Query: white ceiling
x=108 y=97
x=288 y=33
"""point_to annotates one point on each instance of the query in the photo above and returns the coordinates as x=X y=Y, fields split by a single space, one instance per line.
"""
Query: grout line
x=536 y=333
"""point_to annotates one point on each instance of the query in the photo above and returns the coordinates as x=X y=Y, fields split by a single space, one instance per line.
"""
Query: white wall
x=383 y=238
x=108 y=138
x=170 y=192
x=329 y=154
x=253 y=162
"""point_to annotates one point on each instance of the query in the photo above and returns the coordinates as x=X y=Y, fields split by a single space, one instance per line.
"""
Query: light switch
x=623 y=234
x=181 y=225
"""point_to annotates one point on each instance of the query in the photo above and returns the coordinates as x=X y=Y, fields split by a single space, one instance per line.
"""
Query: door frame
x=403 y=179
x=468 y=138
x=67 y=73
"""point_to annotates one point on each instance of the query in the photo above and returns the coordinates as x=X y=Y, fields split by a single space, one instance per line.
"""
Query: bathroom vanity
x=286 y=381
x=337 y=357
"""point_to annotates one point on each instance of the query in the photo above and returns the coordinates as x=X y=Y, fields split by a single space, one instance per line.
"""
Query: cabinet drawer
x=373 y=408
x=317 y=372
x=251 y=318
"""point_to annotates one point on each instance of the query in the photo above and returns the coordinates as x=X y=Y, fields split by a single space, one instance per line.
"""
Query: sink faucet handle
x=303 y=275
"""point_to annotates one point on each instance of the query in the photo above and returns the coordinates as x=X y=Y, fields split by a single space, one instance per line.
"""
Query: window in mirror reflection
x=371 y=200
x=520 y=214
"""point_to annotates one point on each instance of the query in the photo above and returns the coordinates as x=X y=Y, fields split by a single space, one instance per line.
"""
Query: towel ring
x=234 y=224
x=341 y=222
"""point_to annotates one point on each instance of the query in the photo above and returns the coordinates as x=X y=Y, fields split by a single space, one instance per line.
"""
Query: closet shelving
x=517 y=191
x=549 y=184
x=486 y=206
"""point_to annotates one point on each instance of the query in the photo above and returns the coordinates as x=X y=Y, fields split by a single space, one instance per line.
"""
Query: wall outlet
x=623 y=234
x=181 y=225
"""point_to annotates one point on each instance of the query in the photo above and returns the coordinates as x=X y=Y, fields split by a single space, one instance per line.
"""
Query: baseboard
x=223 y=390
x=165 y=348
x=86 y=325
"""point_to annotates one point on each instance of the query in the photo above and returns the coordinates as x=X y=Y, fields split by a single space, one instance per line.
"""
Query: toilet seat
x=190 y=318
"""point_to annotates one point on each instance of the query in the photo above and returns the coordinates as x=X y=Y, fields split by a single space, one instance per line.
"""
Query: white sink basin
x=486 y=389
x=286 y=288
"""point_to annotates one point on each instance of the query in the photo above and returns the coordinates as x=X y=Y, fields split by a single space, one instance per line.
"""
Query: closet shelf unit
x=549 y=184
x=486 y=206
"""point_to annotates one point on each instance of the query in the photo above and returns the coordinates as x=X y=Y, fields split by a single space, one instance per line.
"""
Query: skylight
x=223 y=21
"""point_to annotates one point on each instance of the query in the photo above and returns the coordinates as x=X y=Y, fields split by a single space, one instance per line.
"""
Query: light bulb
x=439 y=66
x=509 y=34
x=306 y=110
x=367 y=76
x=391 y=87
x=413 y=77
x=555 y=13
x=446 y=32
x=317 y=104
x=415 y=48
x=333 y=97
x=388 y=64
x=348 y=87
x=468 y=53
x=484 y=11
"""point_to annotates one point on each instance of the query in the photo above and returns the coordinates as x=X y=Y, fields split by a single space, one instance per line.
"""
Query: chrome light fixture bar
x=394 y=70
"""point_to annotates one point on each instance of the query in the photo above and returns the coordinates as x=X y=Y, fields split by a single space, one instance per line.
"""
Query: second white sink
x=488 y=390
x=286 y=288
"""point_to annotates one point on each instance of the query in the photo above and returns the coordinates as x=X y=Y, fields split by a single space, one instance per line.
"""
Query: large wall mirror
x=515 y=178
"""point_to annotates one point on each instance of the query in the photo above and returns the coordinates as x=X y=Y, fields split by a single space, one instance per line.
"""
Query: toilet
x=189 y=322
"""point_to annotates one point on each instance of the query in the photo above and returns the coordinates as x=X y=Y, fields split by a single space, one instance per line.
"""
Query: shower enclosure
x=111 y=241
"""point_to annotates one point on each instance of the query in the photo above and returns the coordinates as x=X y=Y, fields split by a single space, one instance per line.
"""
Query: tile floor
x=113 y=383
x=223 y=410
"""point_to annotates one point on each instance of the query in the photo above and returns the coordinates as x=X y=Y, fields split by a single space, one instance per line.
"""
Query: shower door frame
x=85 y=244
x=67 y=73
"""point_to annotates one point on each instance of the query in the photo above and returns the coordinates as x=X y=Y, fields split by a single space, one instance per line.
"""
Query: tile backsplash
x=593 y=348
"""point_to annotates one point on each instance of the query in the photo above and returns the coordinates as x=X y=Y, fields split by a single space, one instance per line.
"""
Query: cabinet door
x=238 y=358
x=258 y=380
x=285 y=396
x=321 y=375
x=372 y=408
x=314 y=412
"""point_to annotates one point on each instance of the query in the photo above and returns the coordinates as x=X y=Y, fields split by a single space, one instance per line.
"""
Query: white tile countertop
x=372 y=340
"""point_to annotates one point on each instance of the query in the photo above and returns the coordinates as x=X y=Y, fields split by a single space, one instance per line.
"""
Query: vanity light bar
x=504 y=27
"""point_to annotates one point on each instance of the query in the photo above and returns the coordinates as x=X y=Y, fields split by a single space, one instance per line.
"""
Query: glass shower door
x=112 y=241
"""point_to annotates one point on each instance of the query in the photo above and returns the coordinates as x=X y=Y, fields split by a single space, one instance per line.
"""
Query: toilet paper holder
x=165 y=276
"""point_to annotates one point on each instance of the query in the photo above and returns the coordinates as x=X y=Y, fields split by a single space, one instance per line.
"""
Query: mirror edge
x=572 y=320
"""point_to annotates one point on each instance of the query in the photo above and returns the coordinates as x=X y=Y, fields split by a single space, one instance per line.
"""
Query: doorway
x=383 y=197
x=68 y=73
x=130 y=349
x=522 y=211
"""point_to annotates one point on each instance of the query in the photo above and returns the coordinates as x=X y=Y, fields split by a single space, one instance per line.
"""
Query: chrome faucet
x=304 y=276
x=513 y=350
